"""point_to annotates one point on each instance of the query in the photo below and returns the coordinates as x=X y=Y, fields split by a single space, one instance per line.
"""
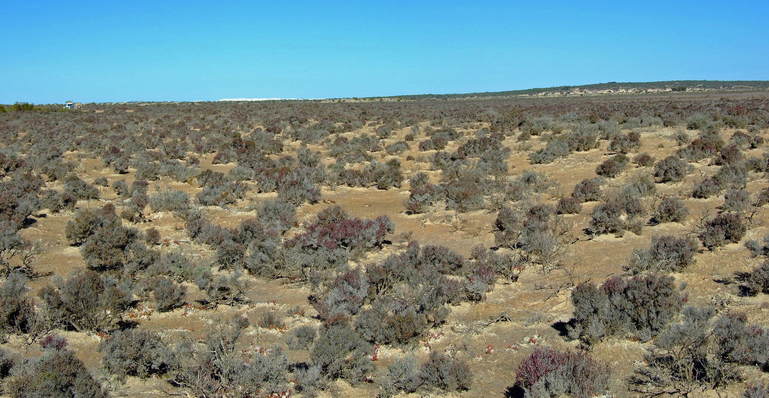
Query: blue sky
x=96 y=51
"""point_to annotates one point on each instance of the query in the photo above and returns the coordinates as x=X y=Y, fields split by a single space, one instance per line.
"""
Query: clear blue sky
x=95 y=51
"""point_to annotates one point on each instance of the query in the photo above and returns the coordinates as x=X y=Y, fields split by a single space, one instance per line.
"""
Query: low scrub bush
x=700 y=353
x=624 y=143
x=17 y=310
x=643 y=159
x=85 y=301
x=136 y=352
x=341 y=353
x=588 y=190
x=422 y=194
x=568 y=205
x=758 y=279
x=173 y=201
x=80 y=189
x=640 y=306
x=736 y=201
x=722 y=229
x=168 y=294
x=56 y=373
x=666 y=254
x=217 y=367
x=555 y=148
x=547 y=372
x=671 y=169
x=670 y=209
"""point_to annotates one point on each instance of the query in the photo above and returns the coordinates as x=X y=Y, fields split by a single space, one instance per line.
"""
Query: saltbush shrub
x=613 y=166
x=555 y=148
x=17 y=310
x=422 y=194
x=168 y=294
x=568 y=205
x=85 y=301
x=640 y=306
x=217 y=367
x=587 y=190
x=168 y=200
x=56 y=373
x=758 y=279
x=342 y=353
x=136 y=352
x=625 y=143
x=643 y=159
x=670 y=209
x=700 y=353
x=547 y=372
x=666 y=254
x=670 y=169
x=722 y=229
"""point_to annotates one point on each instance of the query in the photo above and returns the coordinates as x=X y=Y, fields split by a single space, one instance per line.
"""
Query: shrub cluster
x=537 y=231
x=670 y=209
x=439 y=373
x=217 y=367
x=56 y=373
x=700 y=353
x=666 y=254
x=640 y=306
x=625 y=143
x=588 y=190
x=136 y=352
x=722 y=229
x=85 y=301
x=422 y=194
x=613 y=166
x=547 y=372
x=671 y=169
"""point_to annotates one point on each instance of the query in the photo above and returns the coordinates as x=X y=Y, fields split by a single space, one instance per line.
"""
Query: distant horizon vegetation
x=674 y=85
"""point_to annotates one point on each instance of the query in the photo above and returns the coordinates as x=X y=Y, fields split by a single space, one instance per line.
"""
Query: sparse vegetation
x=147 y=227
